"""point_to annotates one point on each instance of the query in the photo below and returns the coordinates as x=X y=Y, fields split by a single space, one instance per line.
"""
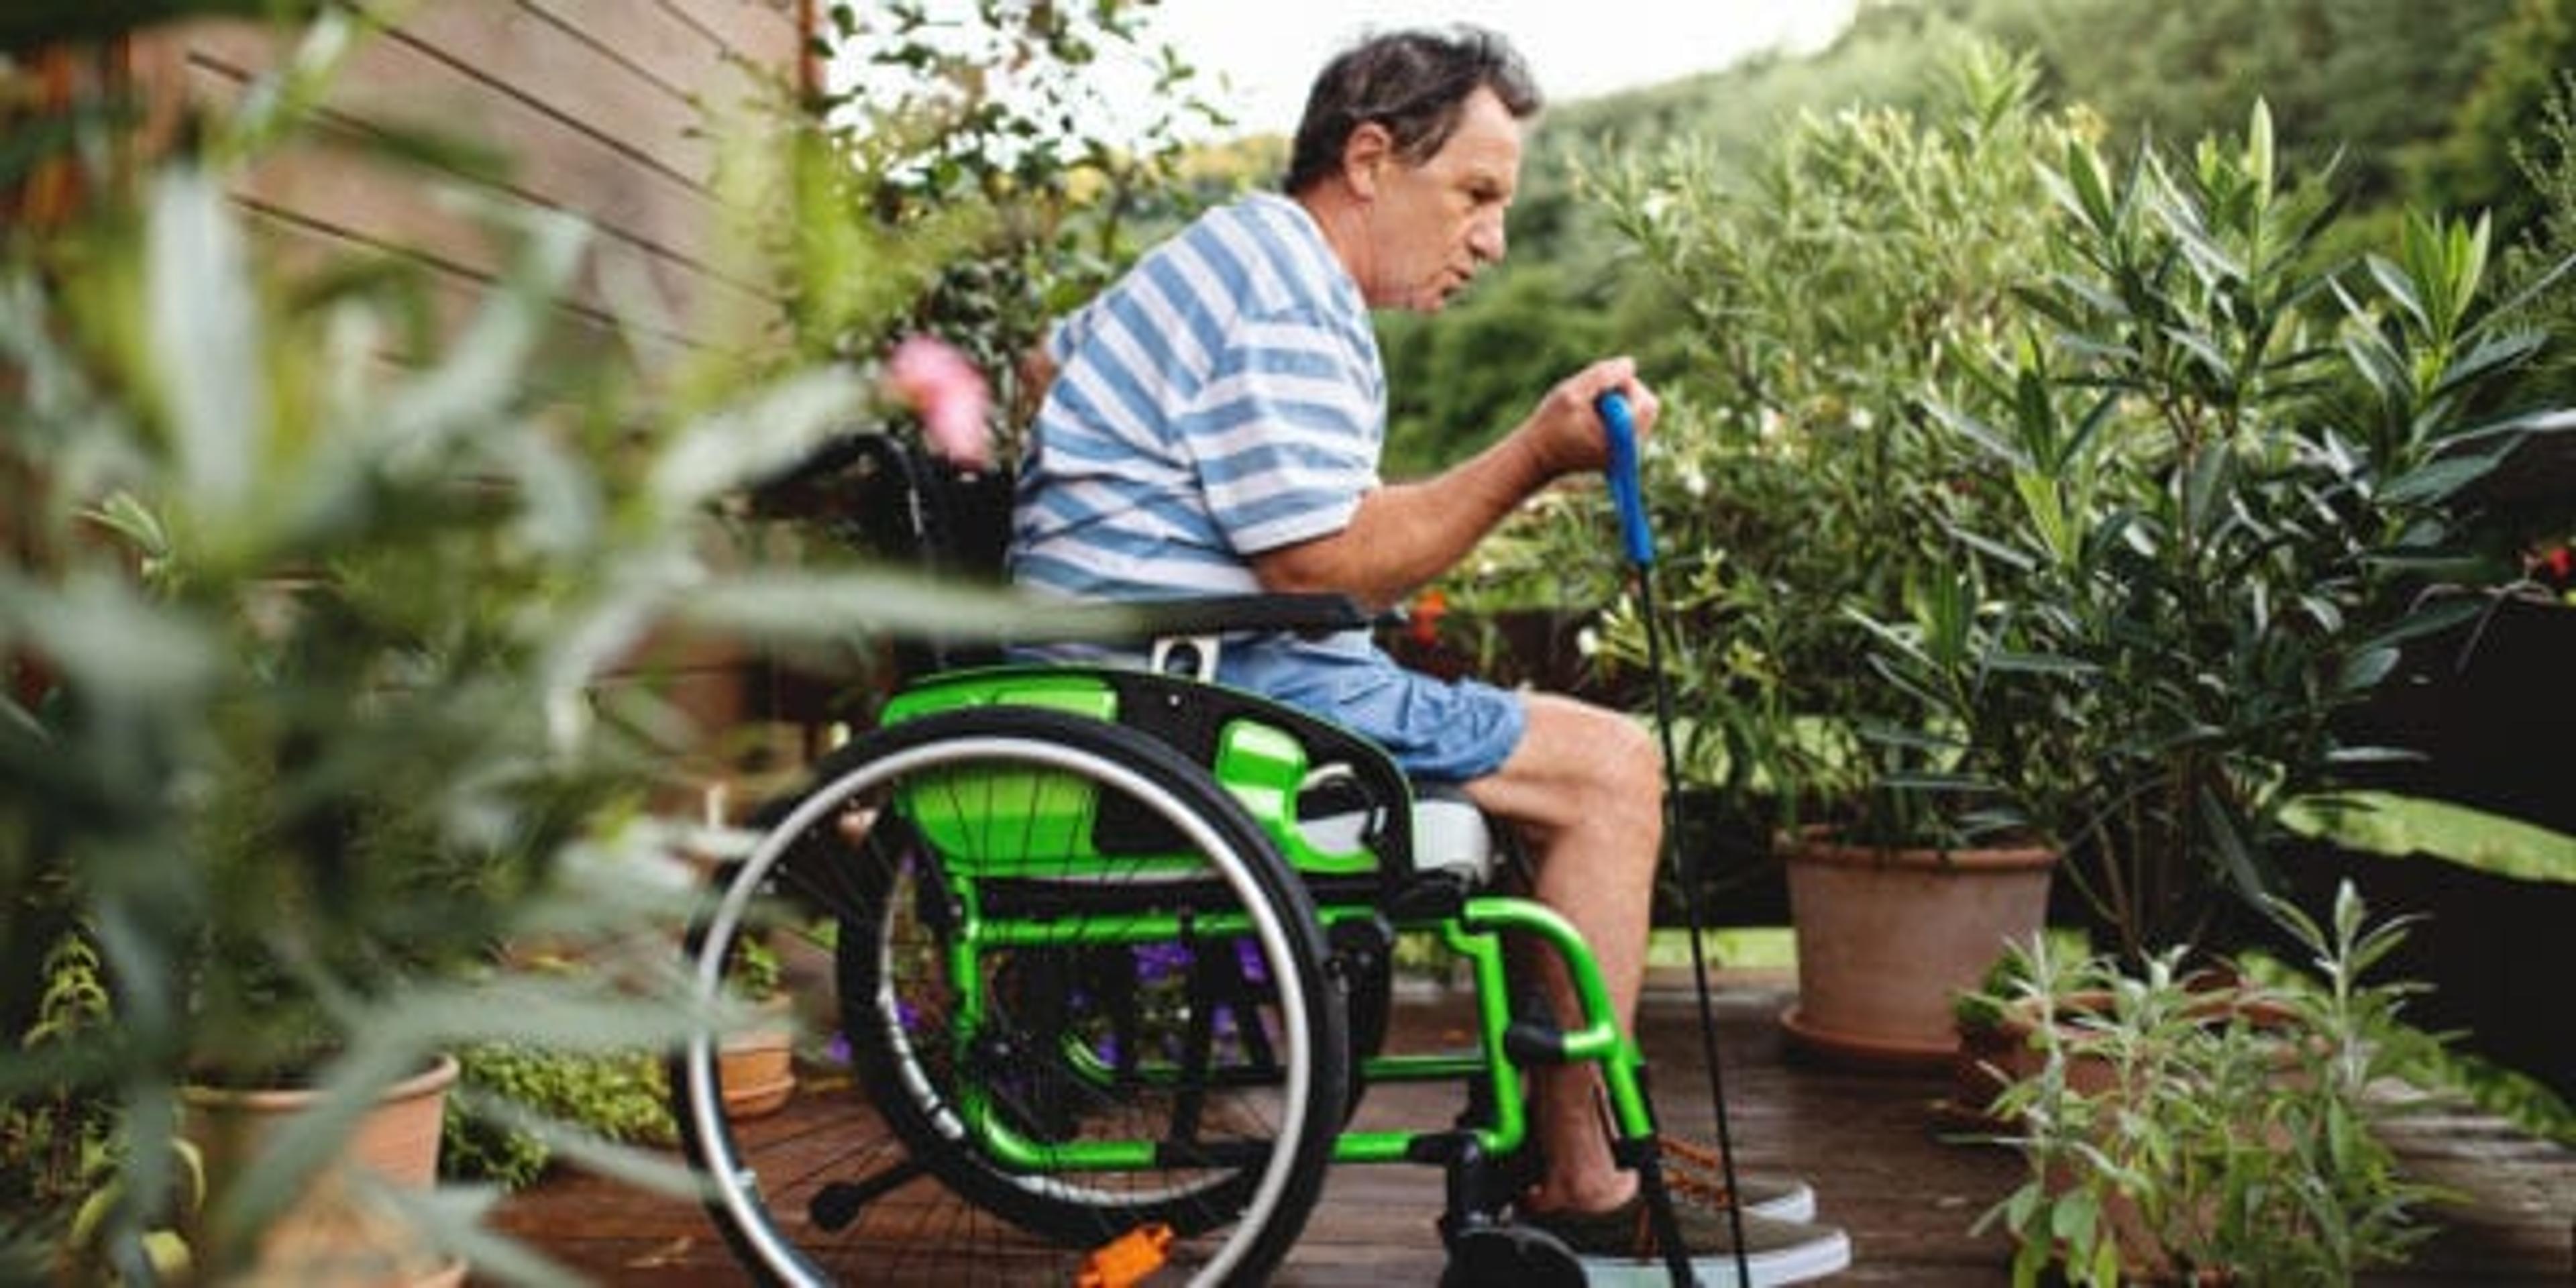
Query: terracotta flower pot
x=757 y=1067
x=333 y=1233
x=1887 y=937
x=1996 y=1055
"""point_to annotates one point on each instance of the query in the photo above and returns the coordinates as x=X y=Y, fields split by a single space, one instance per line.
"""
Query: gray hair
x=1416 y=84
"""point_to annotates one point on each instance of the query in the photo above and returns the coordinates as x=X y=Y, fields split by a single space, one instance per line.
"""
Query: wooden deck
x=1868 y=1141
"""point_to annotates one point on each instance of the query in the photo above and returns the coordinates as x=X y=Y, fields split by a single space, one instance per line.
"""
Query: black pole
x=1688 y=876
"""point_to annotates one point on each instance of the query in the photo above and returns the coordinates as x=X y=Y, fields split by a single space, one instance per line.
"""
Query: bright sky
x=1270 y=52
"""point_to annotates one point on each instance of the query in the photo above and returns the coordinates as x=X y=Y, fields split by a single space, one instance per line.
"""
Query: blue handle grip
x=1621 y=427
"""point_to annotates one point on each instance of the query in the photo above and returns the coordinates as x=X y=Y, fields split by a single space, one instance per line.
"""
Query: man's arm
x=1406 y=534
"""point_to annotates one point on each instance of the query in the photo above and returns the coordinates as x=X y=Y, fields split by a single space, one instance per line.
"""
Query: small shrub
x=617 y=1095
x=2220 y=1132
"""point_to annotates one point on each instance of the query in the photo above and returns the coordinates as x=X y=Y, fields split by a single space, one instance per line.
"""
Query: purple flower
x=1158 y=962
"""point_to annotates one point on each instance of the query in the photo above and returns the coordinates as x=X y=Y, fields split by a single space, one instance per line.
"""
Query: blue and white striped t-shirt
x=1222 y=399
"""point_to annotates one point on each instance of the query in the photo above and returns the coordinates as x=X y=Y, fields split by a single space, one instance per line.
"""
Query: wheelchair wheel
x=1075 y=1007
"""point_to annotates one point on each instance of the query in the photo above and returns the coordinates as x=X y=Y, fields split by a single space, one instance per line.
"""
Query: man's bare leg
x=1586 y=786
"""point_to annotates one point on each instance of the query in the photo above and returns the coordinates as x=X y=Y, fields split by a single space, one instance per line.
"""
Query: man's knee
x=1641 y=762
x=1615 y=753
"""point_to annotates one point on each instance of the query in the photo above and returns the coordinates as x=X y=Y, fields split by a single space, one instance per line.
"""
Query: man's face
x=1432 y=226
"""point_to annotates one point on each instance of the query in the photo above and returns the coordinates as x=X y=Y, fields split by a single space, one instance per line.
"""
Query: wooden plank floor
x=1867 y=1141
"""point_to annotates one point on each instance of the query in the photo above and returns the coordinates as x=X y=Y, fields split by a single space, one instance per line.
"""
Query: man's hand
x=1565 y=433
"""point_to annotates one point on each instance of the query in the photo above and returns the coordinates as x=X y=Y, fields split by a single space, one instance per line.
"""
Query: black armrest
x=1213 y=615
x=1305 y=614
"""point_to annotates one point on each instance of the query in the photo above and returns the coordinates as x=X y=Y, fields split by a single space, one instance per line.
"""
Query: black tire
x=874 y=1176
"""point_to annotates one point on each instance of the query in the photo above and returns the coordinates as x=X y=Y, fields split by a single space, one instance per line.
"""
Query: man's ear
x=1366 y=154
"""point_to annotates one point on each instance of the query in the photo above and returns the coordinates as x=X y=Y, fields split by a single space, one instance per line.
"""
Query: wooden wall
x=595 y=107
x=599 y=108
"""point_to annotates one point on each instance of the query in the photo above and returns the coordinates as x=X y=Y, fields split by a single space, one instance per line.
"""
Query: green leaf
x=2438 y=481
x=2397 y=286
x=2491 y=355
x=722 y=452
x=2104 y=1268
x=2204 y=349
x=2429 y=618
x=2030 y=1261
x=483 y=372
x=2380 y=363
x=2074 y=1217
x=2235 y=858
x=2396 y=826
x=2207 y=487
x=822 y=608
x=452 y=1218
x=2095 y=296
x=2552 y=421
x=1979 y=433
x=2258 y=147
x=117 y=646
x=2022 y=1206
x=207 y=356
x=2366 y=668
x=2088 y=186
x=2039 y=663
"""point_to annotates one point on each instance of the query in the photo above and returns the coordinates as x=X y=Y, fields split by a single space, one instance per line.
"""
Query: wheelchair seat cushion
x=1450 y=835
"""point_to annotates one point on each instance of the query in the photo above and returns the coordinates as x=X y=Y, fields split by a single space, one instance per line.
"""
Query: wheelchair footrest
x=1505 y=1255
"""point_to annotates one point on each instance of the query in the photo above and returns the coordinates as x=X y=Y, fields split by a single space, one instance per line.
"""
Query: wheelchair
x=1102 y=961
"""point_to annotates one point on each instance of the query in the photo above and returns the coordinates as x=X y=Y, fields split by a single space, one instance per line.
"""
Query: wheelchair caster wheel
x=1511 y=1256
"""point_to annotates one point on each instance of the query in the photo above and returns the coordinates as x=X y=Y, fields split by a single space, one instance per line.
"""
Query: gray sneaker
x=1698 y=1172
x=1618 y=1247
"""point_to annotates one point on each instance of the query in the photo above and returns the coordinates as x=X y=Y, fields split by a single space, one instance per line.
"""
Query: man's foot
x=1698 y=1172
x=1619 y=1246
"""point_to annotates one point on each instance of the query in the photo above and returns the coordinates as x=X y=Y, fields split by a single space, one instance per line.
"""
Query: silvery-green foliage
x=2227 y=1131
x=323 y=625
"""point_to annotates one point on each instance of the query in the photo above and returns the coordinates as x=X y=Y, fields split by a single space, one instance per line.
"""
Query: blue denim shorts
x=1437 y=730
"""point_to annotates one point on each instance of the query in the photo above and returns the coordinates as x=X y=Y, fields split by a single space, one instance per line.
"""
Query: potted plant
x=289 y=766
x=310 y=622
x=1806 y=489
x=2176 y=1133
x=2230 y=470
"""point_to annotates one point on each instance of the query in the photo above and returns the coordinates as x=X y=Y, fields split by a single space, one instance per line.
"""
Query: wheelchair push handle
x=1620 y=426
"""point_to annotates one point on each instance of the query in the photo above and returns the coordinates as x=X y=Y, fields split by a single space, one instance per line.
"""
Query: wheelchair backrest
x=884 y=496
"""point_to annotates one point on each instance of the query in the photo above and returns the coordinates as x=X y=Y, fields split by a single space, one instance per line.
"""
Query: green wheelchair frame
x=1016 y=841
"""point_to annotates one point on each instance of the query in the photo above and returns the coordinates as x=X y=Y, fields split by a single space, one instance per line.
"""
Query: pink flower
x=949 y=394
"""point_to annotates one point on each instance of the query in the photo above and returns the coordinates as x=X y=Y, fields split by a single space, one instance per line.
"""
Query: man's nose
x=1485 y=239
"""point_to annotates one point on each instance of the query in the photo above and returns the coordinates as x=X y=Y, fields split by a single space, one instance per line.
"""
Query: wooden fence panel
x=598 y=108
x=593 y=108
